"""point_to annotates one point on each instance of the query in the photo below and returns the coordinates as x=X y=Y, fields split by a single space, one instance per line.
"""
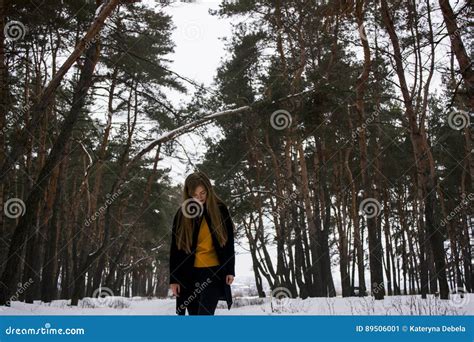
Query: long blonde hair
x=189 y=210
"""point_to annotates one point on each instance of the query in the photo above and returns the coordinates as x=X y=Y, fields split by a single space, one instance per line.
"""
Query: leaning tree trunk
x=47 y=95
x=27 y=221
x=465 y=66
x=423 y=159
x=458 y=48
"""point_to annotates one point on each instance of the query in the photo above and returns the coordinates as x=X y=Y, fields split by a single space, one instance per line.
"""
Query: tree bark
x=423 y=159
x=375 y=244
x=45 y=98
x=27 y=221
x=458 y=48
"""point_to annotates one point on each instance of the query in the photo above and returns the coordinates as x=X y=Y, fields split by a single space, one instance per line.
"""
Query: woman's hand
x=175 y=288
x=229 y=279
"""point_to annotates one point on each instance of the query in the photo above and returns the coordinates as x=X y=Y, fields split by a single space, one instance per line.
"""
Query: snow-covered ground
x=394 y=305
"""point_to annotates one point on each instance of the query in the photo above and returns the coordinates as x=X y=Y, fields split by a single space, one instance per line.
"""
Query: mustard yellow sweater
x=206 y=255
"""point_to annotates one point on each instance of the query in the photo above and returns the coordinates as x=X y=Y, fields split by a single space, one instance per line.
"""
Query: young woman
x=202 y=257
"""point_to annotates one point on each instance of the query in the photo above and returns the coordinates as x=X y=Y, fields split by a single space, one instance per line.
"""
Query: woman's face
x=200 y=194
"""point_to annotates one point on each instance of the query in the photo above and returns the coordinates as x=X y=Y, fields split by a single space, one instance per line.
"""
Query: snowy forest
x=338 y=132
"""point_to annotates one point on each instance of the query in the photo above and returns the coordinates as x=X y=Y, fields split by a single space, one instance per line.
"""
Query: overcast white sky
x=198 y=48
x=198 y=52
x=197 y=55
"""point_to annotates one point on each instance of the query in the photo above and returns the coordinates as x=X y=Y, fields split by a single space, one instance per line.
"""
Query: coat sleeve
x=229 y=246
x=174 y=253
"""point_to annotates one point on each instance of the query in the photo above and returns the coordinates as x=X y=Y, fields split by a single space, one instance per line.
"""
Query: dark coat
x=182 y=263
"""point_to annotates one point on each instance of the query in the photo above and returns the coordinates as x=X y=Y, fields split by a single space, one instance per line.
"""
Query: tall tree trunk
x=51 y=257
x=47 y=95
x=423 y=159
x=458 y=48
x=27 y=221
x=4 y=103
x=342 y=233
x=375 y=245
x=357 y=236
